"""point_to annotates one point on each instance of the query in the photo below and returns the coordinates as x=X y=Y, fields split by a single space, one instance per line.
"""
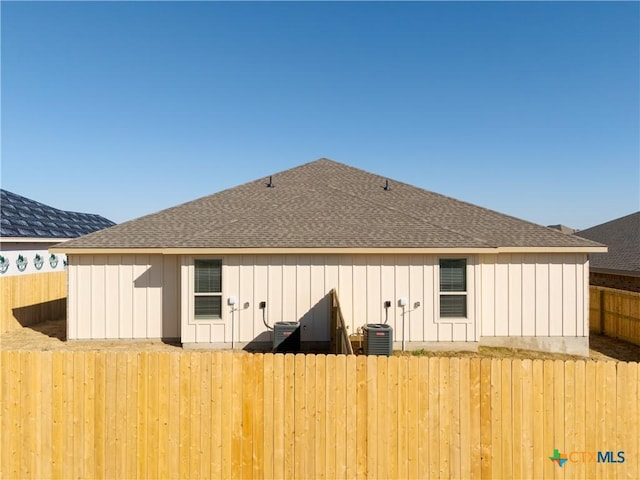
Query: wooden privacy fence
x=339 y=340
x=97 y=414
x=615 y=313
x=32 y=298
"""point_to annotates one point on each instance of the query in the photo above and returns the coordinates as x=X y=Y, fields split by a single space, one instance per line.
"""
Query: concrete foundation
x=305 y=347
x=568 y=345
x=438 y=346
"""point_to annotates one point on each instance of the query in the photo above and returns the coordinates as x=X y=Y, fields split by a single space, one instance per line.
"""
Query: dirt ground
x=52 y=336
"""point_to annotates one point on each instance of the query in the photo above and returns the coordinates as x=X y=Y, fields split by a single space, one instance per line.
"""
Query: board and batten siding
x=151 y=296
x=296 y=288
x=534 y=295
x=123 y=297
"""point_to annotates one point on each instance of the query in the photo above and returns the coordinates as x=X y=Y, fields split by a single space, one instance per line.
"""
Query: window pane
x=208 y=275
x=208 y=307
x=453 y=275
x=453 y=306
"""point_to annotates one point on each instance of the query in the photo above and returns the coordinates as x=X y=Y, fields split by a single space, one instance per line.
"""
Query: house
x=620 y=267
x=32 y=280
x=28 y=228
x=443 y=273
x=563 y=228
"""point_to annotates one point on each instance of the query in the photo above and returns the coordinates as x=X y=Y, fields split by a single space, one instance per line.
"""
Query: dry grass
x=496 y=352
x=52 y=336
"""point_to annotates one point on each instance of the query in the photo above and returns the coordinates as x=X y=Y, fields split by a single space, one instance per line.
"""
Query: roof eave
x=613 y=271
x=324 y=250
x=33 y=240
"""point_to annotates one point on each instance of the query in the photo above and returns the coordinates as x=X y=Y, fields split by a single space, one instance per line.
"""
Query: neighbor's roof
x=25 y=218
x=622 y=236
x=326 y=205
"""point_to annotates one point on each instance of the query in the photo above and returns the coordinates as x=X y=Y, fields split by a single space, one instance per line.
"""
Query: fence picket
x=89 y=420
x=164 y=398
x=361 y=417
x=46 y=410
x=413 y=417
x=423 y=421
x=248 y=377
x=592 y=415
x=289 y=415
x=631 y=443
x=434 y=417
x=236 y=416
x=258 y=416
x=454 y=417
x=340 y=396
x=310 y=416
x=278 y=416
x=331 y=413
x=142 y=432
x=269 y=427
x=351 y=413
x=539 y=453
x=475 y=432
x=152 y=443
x=173 y=427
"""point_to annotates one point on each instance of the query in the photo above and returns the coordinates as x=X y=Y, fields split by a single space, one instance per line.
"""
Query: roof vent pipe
x=270 y=184
x=386 y=186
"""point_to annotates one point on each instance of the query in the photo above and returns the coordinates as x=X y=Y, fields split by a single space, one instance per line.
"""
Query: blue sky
x=127 y=108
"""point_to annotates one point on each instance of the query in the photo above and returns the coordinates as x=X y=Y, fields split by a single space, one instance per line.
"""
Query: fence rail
x=32 y=298
x=615 y=313
x=97 y=414
x=340 y=342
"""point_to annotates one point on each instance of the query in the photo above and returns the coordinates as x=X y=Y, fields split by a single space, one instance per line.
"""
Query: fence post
x=601 y=313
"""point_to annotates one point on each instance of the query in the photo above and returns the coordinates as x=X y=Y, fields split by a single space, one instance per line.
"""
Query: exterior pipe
x=403 y=313
x=232 y=326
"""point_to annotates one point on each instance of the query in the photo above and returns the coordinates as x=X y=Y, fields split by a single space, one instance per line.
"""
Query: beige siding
x=151 y=296
x=123 y=296
x=170 y=297
x=534 y=295
x=295 y=288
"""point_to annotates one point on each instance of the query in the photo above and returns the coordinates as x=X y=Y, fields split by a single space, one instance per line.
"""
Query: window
x=208 y=289
x=453 y=288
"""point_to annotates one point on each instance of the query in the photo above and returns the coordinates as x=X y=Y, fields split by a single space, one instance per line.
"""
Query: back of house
x=223 y=269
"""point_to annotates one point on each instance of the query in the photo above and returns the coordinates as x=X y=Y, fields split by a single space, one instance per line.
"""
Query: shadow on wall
x=150 y=278
x=312 y=336
x=40 y=312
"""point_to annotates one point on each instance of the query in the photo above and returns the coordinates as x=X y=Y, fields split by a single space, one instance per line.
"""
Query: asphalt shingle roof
x=325 y=204
x=26 y=218
x=622 y=236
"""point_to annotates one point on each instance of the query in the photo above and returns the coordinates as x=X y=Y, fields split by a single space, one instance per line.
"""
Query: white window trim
x=438 y=292
x=207 y=294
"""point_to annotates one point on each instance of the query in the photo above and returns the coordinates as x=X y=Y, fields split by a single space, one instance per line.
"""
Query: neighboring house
x=563 y=229
x=28 y=228
x=620 y=267
x=466 y=275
